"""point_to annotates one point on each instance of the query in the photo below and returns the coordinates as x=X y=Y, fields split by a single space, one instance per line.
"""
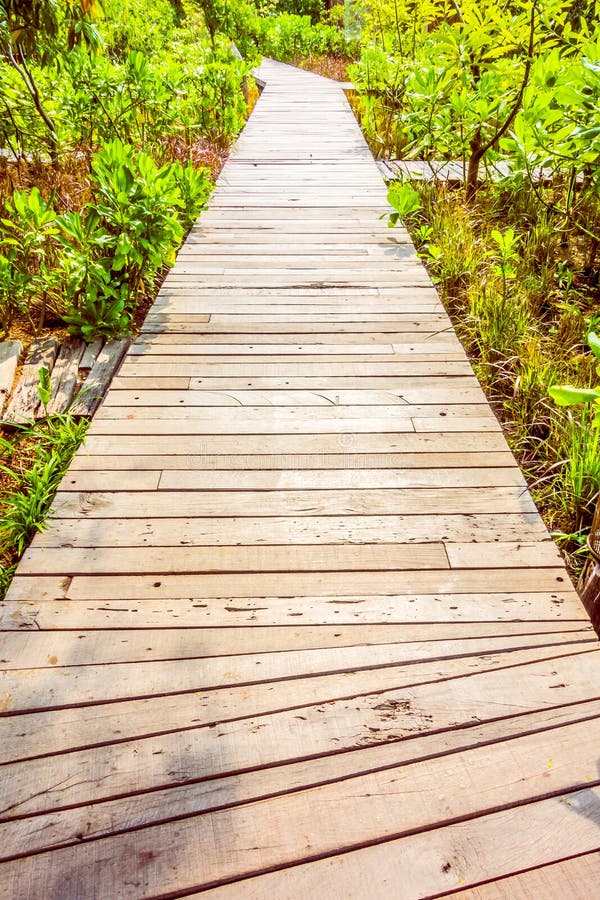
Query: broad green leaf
x=567 y=395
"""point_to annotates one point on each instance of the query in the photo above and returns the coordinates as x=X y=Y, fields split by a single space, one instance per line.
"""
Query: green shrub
x=27 y=232
x=288 y=37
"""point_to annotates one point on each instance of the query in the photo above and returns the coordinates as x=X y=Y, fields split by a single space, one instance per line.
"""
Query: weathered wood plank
x=90 y=354
x=47 y=649
x=443 y=399
x=573 y=878
x=285 y=415
x=47 y=613
x=176 y=479
x=376 y=667
x=352 y=443
x=25 y=403
x=88 y=461
x=373 y=807
x=64 y=375
x=95 y=385
x=200 y=531
x=435 y=863
x=302 y=558
x=353 y=721
x=393 y=501
x=68 y=827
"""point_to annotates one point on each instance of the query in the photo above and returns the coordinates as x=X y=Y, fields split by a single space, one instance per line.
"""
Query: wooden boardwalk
x=296 y=628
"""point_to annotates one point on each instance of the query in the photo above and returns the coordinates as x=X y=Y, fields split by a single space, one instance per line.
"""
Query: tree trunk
x=473 y=169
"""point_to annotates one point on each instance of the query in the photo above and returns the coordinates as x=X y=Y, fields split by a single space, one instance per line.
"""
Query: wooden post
x=589 y=581
x=589 y=590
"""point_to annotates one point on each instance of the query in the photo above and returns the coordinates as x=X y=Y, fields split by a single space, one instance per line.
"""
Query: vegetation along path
x=296 y=627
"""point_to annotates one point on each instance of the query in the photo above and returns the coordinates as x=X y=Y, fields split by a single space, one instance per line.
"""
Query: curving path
x=296 y=628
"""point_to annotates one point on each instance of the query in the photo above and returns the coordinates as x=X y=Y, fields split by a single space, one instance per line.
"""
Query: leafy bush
x=216 y=101
x=94 y=266
x=95 y=301
x=128 y=25
x=288 y=37
x=137 y=203
x=194 y=187
x=27 y=230
x=157 y=77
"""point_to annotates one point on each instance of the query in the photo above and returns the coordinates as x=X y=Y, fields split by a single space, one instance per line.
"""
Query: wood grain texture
x=64 y=375
x=296 y=627
x=25 y=404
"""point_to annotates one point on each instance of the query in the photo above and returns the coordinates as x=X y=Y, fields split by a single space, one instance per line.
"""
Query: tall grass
x=34 y=461
x=522 y=314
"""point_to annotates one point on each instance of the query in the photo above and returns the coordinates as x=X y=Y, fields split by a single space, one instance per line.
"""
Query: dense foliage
x=117 y=101
x=512 y=91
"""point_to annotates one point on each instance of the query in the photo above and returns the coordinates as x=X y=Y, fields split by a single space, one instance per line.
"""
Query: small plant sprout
x=405 y=201
x=505 y=256
x=43 y=387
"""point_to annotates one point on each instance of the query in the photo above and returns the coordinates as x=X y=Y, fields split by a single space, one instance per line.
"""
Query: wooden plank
x=392 y=501
x=353 y=720
x=96 y=384
x=304 y=558
x=47 y=649
x=374 y=807
x=426 y=394
x=334 y=391
x=25 y=403
x=432 y=864
x=573 y=878
x=112 y=480
x=147 y=352
x=176 y=383
x=199 y=531
x=62 y=828
x=310 y=584
x=176 y=479
x=85 y=461
x=445 y=365
x=90 y=354
x=318 y=338
x=190 y=444
x=301 y=558
x=377 y=667
x=186 y=425
x=64 y=375
x=47 y=613
x=289 y=414
x=10 y=352
x=175 y=328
